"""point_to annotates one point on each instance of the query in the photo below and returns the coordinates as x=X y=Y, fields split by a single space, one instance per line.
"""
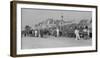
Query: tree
x=27 y=28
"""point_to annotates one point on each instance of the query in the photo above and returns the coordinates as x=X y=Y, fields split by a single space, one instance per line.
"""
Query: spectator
x=86 y=32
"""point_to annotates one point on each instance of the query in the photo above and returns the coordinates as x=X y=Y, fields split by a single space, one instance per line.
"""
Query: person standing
x=77 y=34
x=57 y=30
x=86 y=32
x=36 y=33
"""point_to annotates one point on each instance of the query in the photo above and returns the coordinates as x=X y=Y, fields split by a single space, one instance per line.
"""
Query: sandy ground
x=53 y=42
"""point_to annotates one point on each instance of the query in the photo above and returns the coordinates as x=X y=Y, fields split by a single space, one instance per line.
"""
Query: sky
x=31 y=16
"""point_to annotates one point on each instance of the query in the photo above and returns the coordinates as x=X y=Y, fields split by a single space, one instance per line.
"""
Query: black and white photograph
x=51 y=28
x=45 y=28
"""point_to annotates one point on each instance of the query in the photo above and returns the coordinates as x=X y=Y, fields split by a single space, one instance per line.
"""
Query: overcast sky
x=34 y=16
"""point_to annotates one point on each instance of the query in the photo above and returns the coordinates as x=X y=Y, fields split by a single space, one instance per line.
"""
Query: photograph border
x=13 y=28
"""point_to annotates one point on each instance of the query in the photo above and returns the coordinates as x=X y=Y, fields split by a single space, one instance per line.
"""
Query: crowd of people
x=83 y=33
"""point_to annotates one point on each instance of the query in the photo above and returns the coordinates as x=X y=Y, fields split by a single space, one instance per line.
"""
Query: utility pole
x=61 y=21
x=62 y=18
